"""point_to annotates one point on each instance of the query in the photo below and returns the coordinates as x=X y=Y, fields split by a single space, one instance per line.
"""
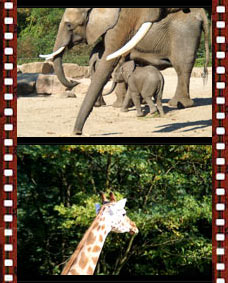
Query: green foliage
x=168 y=189
x=37 y=30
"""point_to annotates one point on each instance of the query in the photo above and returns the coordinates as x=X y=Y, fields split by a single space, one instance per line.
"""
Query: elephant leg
x=182 y=97
x=183 y=65
x=136 y=99
x=121 y=90
x=160 y=107
x=100 y=102
x=149 y=101
x=126 y=102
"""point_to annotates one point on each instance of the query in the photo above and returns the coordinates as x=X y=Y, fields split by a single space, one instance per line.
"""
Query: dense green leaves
x=37 y=29
x=169 y=197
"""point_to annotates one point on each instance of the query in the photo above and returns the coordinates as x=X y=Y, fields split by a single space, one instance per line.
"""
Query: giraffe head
x=114 y=214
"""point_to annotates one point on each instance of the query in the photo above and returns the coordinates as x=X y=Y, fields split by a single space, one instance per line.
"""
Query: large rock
x=49 y=84
x=40 y=84
x=37 y=67
x=26 y=83
x=76 y=71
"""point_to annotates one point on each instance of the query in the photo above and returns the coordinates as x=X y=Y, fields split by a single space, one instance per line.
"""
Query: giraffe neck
x=91 y=246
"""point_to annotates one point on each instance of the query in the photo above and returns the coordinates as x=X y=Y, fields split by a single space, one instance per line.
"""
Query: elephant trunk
x=114 y=84
x=63 y=40
x=58 y=67
x=98 y=82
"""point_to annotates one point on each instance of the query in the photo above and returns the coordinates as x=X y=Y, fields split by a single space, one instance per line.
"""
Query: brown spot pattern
x=83 y=261
x=94 y=259
x=73 y=272
x=91 y=238
x=96 y=249
x=90 y=271
x=100 y=238
x=95 y=225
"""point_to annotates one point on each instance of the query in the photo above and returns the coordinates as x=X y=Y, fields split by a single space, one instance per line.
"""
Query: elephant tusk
x=132 y=43
x=52 y=55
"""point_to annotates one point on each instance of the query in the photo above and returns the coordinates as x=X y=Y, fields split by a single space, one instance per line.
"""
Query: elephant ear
x=100 y=20
x=128 y=68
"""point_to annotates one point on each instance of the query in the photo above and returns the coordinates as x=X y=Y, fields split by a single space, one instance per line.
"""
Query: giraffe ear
x=121 y=203
x=97 y=207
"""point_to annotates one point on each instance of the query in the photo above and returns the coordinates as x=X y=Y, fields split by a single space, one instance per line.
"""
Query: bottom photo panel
x=139 y=212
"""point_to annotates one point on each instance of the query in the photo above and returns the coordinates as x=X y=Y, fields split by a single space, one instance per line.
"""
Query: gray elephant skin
x=143 y=82
x=166 y=37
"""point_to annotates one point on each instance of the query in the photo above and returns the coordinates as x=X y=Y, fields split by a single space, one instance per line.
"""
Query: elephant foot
x=124 y=110
x=162 y=115
x=100 y=104
x=119 y=104
x=155 y=115
x=77 y=132
x=140 y=114
x=181 y=103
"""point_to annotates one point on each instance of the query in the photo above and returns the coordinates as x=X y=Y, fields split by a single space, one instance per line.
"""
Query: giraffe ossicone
x=111 y=217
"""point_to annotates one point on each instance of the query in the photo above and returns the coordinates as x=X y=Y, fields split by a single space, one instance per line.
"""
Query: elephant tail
x=111 y=90
x=160 y=92
x=207 y=48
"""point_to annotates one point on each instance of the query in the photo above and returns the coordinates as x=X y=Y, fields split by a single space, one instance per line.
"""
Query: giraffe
x=111 y=216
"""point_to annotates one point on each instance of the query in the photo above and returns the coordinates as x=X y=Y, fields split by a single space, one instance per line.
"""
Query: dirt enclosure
x=55 y=115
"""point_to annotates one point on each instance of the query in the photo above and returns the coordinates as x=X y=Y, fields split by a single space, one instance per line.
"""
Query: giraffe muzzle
x=133 y=230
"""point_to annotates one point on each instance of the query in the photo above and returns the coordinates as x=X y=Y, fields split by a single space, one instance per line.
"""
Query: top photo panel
x=114 y=72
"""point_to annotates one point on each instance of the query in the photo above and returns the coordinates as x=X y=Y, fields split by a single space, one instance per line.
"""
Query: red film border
x=220 y=142
x=8 y=141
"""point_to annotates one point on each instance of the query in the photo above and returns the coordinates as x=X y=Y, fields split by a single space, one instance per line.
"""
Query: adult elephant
x=117 y=26
x=171 y=42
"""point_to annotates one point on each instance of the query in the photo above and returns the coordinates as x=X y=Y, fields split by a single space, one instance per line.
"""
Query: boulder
x=26 y=83
x=76 y=71
x=37 y=67
x=49 y=84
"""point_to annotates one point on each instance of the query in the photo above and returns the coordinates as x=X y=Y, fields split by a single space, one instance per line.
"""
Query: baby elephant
x=147 y=81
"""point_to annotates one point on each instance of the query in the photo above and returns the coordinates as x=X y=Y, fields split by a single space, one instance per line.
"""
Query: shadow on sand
x=196 y=125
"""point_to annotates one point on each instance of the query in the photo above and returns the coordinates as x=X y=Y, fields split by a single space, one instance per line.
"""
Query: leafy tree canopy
x=168 y=189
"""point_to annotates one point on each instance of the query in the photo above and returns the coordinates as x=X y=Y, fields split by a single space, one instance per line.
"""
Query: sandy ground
x=54 y=116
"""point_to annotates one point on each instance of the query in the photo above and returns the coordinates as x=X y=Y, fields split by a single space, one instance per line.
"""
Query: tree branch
x=125 y=257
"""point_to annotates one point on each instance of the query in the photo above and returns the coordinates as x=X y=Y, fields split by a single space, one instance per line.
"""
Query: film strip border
x=8 y=140
x=220 y=142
